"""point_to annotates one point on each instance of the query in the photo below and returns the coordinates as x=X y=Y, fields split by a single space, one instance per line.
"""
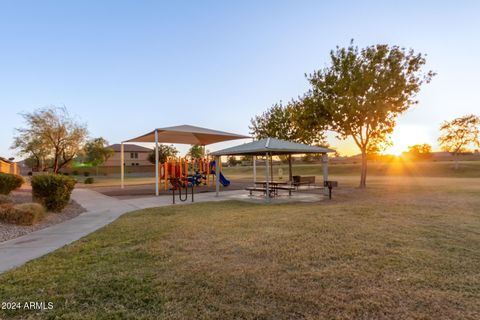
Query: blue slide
x=224 y=181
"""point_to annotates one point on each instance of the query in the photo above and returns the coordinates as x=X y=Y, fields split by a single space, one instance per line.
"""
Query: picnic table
x=274 y=187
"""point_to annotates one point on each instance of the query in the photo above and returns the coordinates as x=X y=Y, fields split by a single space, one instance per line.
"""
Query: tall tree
x=97 y=152
x=363 y=92
x=458 y=134
x=53 y=131
x=164 y=152
x=196 y=151
x=35 y=152
x=286 y=122
x=232 y=161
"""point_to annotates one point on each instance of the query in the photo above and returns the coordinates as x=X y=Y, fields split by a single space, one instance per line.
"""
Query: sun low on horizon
x=404 y=136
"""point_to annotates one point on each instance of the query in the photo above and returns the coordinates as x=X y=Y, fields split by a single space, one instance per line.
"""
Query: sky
x=126 y=67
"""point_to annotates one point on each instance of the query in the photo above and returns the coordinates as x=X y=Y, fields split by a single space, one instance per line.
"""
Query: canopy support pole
x=217 y=175
x=271 y=168
x=290 y=174
x=267 y=183
x=156 y=164
x=254 y=169
x=122 y=165
x=325 y=172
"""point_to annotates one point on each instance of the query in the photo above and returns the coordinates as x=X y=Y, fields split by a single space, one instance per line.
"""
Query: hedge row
x=52 y=190
x=9 y=182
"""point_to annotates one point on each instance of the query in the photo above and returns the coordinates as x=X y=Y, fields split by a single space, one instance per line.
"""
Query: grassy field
x=403 y=249
x=467 y=169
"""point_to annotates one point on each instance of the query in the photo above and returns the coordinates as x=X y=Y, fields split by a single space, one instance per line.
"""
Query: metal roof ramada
x=272 y=146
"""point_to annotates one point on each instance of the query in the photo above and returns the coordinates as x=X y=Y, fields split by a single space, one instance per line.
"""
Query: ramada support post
x=217 y=175
x=325 y=172
x=122 y=165
x=267 y=182
x=156 y=163
x=254 y=169
x=290 y=174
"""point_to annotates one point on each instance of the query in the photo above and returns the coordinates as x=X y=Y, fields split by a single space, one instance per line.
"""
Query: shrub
x=86 y=173
x=88 y=180
x=52 y=190
x=9 y=182
x=23 y=214
x=75 y=172
x=5 y=199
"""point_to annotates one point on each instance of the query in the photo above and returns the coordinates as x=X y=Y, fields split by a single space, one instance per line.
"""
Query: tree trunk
x=363 y=175
x=55 y=161
x=55 y=165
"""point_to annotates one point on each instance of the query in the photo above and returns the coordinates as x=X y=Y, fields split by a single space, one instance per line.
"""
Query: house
x=134 y=155
x=7 y=166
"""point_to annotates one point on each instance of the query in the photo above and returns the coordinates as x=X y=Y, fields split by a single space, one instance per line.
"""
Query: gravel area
x=11 y=231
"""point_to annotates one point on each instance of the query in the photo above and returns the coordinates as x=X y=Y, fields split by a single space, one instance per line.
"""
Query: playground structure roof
x=272 y=146
x=187 y=134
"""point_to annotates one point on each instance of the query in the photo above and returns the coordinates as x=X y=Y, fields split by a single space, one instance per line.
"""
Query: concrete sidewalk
x=101 y=210
x=152 y=201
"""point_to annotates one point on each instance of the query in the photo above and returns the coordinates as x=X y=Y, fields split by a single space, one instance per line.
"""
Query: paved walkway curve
x=101 y=210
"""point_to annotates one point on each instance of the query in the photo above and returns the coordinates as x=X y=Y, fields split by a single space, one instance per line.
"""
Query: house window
x=133 y=155
x=133 y=164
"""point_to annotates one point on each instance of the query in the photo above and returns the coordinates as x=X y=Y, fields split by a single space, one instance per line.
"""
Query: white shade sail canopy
x=186 y=134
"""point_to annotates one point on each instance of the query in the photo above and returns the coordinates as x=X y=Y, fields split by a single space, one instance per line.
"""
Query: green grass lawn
x=394 y=251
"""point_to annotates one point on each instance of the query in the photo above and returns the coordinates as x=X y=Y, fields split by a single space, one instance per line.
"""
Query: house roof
x=272 y=146
x=5 y=160
x=188 y=134
x=129 y=148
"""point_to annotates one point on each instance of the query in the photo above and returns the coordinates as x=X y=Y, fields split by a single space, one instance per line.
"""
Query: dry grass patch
x=395 y=251
x=26 y=214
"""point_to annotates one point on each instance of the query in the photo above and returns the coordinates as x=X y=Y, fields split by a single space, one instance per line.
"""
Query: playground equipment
x=178 y=184
x=196 y=172
x=224 y=181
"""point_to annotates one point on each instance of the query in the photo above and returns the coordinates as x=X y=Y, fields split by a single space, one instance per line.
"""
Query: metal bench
x=287 y=188
x=252 y=189
x=273 y=190
x=303 y=180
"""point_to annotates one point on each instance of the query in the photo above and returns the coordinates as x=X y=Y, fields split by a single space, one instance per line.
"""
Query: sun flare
x=405 y=136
